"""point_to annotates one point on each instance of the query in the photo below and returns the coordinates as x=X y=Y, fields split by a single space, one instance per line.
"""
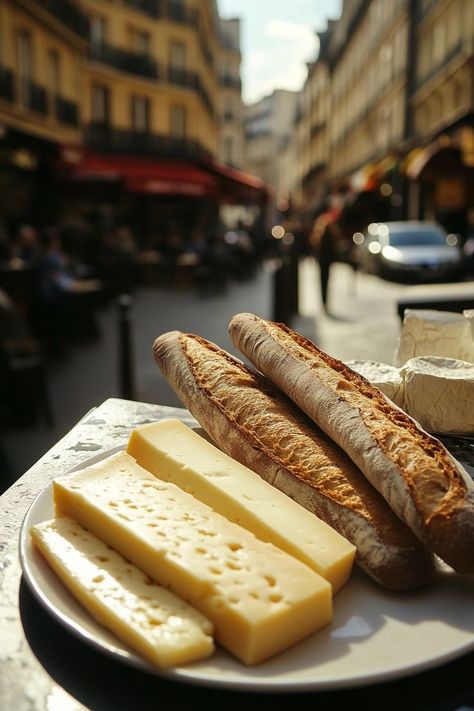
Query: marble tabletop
x=43 y=667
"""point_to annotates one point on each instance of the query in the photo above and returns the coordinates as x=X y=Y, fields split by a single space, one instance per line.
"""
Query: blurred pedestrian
x=26 y=247
x=324 y=244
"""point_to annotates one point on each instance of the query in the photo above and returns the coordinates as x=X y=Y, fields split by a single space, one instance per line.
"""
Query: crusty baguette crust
x=252 y=421
x=413 y=471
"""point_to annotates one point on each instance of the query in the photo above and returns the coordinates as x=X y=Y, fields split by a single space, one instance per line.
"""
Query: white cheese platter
x=375 y=635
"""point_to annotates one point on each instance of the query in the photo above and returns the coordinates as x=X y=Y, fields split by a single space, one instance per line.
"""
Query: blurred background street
x=89 y=373
x=309 y=162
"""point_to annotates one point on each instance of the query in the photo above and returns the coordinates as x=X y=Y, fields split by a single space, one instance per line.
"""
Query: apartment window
x=439 y=43
x=54 y=71
x=100 y=104
x=98 y=30
x=140 y=41
x=140 y=114
x=25 y=66
x=178 y=55
x=229 y=150
x=178 y=121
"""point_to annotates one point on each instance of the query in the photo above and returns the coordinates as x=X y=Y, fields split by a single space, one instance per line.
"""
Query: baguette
x=413 y=471
x=253 y=422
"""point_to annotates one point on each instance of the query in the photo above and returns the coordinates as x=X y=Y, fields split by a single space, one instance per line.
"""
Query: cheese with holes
x=260 y=599
x=151 y=620
x=172 y=451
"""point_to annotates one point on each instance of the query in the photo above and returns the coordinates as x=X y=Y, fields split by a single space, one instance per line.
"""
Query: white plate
x=375 y=635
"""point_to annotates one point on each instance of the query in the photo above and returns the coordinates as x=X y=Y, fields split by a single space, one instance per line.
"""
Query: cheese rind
x=427 y=332
x=439 y=393
x=259 y=599
x=172 y=451
x=151 y=620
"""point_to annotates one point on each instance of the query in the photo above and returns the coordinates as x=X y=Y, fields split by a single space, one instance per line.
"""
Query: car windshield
x=416 y=238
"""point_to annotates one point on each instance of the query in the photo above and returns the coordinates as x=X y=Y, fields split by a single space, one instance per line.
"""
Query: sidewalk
x=90 y=373
x=363 y=321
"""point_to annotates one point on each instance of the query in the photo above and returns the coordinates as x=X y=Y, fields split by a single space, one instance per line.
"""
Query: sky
x=277 y=39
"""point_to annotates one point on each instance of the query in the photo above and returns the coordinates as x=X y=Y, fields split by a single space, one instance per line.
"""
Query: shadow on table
x=103 y=684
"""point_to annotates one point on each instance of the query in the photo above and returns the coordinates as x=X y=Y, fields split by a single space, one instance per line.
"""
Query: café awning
x=236 y=186
x=139 y=175
x=438 y=158
x=163 y=177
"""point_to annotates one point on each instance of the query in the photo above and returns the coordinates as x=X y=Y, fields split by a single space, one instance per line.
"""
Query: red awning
x=139 y=175
x=236 y=186
x=156 y=177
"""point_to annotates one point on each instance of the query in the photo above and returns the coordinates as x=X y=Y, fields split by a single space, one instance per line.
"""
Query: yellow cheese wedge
x=172 y=451
x=151 y=620
x=259 y=599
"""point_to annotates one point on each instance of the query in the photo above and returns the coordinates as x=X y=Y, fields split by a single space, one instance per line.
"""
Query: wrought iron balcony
x=7 y=88
x=174 y=10
x=231 y=82
x=69 y=14
x=133 y=62
x=34 y=97
x=183 y=77
x=153 y=145
x=190 y=80
x=66 y=111
x=177 y=11
x=154 y=8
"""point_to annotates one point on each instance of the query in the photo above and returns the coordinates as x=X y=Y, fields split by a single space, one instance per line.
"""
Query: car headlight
x=392 y=254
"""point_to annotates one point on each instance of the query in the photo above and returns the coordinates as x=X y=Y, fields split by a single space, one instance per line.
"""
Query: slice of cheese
x=439 y=393
x=260 y=599
x=172 y=451
x=427 y=332
x=151 y=620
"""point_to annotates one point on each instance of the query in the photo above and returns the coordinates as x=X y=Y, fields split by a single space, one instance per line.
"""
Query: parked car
x=409 y=251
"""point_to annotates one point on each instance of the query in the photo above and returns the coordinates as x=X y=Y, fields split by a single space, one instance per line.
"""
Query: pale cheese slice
x=259 y=599
x=428 y=332
x=157 y=624
x=439 y=393
x=172 y=451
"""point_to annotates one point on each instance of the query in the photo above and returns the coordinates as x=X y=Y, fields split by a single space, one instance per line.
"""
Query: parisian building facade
x=388 y=107
x=134 y=103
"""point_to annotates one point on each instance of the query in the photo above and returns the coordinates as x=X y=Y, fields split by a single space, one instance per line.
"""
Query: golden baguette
x=250 y=419
x=412 y=470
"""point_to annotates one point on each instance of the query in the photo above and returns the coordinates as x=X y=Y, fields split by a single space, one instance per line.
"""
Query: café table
x=44 y=667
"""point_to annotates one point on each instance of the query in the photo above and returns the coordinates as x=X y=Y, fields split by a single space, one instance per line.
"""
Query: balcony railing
x=69 y=14
x=174 y=10
x=7 y=88
x=183 y=77
x=154 y=8
x=132 y=62
x=34 y=97
x=190 y=80
x=177 y=11
x=66 y=111
x=154 y=145
x=231 y=82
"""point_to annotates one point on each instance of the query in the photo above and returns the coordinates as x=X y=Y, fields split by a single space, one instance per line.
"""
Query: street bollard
x=281 y=297
x=293 y=278
x=126 y=365
x=286 y=284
